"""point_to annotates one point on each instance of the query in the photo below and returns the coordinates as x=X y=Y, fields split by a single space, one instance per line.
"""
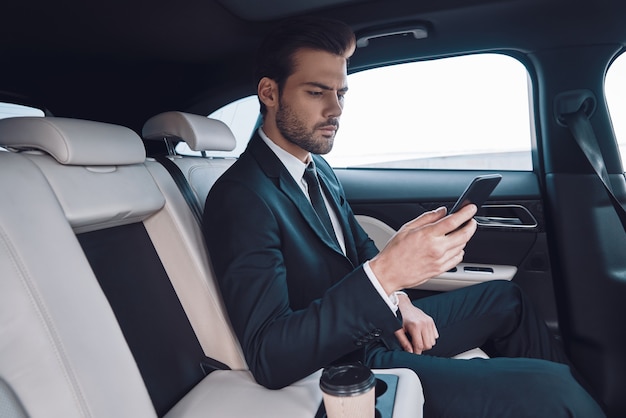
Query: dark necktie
x=310 y=176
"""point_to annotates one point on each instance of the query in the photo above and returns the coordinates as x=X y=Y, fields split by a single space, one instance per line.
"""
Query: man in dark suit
x=305 y=287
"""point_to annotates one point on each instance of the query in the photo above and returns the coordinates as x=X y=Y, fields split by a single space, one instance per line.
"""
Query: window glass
x=9 y=110
x=469 y=112
x=615 y=90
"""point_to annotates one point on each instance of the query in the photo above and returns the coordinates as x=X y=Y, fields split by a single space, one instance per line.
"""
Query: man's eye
x=315 y=93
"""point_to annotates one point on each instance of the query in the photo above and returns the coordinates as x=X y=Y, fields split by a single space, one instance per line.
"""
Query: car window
x=9 y=110
x=615 y=91
x=469 y=112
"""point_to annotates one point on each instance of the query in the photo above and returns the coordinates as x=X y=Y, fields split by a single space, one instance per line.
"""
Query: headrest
x=74 y=141
x=199 y=132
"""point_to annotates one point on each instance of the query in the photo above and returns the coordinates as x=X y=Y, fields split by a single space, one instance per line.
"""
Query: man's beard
x=295 y=131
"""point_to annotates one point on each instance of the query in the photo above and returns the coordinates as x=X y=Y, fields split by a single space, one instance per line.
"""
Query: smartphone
x=478 y=191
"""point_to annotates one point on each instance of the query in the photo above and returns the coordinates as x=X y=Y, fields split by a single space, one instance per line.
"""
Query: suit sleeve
x=282 y=345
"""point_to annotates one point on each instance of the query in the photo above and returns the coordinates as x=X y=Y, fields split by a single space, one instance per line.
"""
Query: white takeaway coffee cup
x=349 y=391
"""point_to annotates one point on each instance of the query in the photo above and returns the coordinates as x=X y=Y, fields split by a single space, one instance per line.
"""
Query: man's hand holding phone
x=477 y=191
x=424 y=248
x=432 y=243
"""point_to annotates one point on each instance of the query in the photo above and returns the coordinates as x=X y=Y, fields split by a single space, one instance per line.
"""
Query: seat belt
x=183 y=186
x=582 y=131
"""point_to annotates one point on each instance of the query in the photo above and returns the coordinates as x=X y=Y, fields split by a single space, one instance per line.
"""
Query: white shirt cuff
x=390 y=300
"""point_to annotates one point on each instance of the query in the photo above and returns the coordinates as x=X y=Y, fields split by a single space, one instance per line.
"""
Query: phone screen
x=477 y=191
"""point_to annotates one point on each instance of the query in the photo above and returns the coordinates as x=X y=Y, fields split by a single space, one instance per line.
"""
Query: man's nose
x=334 y=106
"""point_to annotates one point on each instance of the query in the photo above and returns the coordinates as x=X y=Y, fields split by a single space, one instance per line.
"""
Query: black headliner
x=123 y=61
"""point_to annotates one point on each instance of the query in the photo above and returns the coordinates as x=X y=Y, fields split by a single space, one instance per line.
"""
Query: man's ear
x=267 y=91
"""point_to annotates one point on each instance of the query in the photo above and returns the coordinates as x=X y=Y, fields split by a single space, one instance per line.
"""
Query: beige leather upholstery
x=201 y=134
x=62 y=352
x=298 y=400
x=73 y=141
x=202 y=173
x=98 y=197
x=181 y=247
x=61 y=349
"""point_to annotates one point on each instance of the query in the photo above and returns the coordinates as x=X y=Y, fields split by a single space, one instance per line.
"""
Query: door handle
x=505 y=216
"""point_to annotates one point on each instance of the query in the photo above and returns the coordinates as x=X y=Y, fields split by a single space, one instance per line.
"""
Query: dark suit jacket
x=295 y=301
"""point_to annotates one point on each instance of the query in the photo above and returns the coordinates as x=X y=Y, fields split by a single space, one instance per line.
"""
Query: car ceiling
x=122 y=61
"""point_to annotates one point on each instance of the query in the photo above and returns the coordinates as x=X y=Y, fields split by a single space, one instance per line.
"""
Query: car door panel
x=509 y=244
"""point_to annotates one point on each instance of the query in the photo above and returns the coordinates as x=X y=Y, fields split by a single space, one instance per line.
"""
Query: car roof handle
x=417 y=30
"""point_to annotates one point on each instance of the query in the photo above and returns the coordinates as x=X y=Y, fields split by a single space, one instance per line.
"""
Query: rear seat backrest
x=61 y=344
x=72 y=206
x=112 y=202
x=187 y=250
x=201 y=134
x=180 y=244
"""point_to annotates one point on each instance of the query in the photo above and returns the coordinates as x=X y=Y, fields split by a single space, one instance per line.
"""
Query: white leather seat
x=61 y=350
x=301 y=399
x=64 y=352
x=201 y=134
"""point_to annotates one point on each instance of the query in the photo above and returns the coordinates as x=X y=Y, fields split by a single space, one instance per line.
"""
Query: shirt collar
x=294 y=166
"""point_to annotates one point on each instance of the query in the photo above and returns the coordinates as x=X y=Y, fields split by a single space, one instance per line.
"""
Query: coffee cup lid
x=347 y=380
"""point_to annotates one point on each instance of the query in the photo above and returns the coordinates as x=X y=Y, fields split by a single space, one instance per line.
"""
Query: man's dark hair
x=274 y=57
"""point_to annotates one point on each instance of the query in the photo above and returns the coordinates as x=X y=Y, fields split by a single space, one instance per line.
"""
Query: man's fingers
x=423 y=248
x=418 y=343
x=425 y=342
x=403 y=340
x=442 y=224
x=424 y=337
x=427 y=218
x=456 y=221
x=434 y=334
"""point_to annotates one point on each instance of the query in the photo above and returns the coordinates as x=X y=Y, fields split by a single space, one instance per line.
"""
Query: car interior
x=108 y=302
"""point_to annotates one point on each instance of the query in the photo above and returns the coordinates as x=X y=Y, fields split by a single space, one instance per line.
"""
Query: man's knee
x=543 y=389
x=507 y=295
x=505 y=288
x=557 y=393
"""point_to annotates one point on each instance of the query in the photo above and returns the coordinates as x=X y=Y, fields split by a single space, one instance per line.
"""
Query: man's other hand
x=419 y=332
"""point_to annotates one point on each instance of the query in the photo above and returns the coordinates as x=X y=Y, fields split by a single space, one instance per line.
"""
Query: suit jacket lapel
x=273 y=168
x=338 y=202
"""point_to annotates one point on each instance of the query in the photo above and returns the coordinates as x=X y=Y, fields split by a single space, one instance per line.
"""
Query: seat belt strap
x=583 y=133
x=183 y=186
